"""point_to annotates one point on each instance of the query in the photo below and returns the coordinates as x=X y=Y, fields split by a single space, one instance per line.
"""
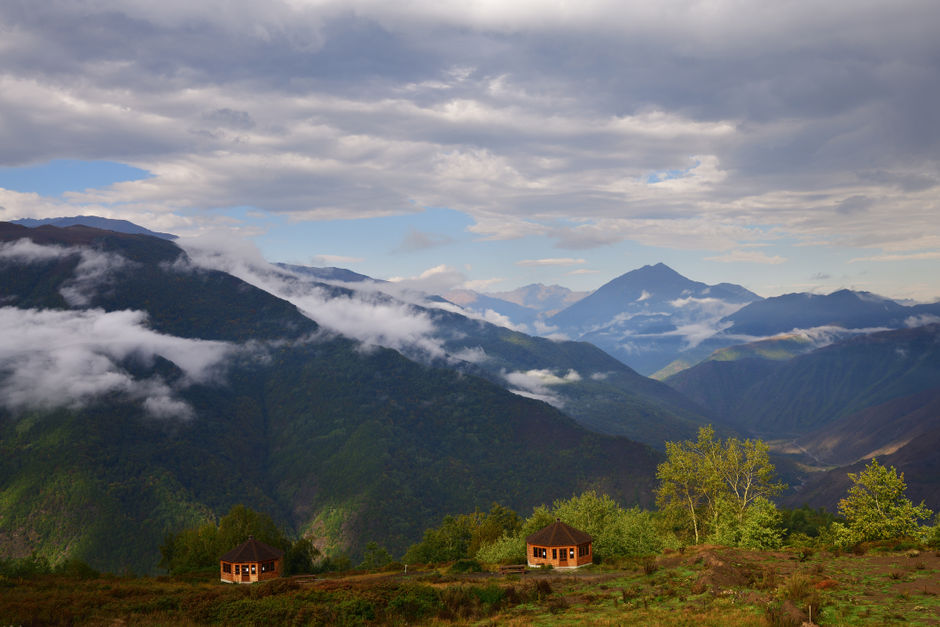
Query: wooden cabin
x=560 y=545
x=250 y=562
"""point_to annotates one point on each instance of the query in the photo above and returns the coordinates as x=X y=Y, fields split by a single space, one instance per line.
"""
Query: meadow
x=878 y=584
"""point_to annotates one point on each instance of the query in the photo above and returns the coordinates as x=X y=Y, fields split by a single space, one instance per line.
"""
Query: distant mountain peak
x=95 y=222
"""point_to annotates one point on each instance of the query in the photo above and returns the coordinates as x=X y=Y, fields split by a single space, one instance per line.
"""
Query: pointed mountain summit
x=651 y=316
x=646 y=289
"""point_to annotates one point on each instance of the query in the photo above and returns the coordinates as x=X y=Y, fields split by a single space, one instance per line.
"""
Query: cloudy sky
x=785 y=146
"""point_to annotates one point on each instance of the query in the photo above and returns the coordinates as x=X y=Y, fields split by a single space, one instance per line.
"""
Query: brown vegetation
x=706 y=585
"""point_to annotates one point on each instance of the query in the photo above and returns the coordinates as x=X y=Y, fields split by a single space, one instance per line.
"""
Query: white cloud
x=479 y=285
x=494 y=317
x=433 y=280
x=69 y=358
x=549 y=331
x=565 y=261
x=474 y=355
x=748 y=256
x=93 y=269
x=927 y=255
x=366 y=314
x=716 y=118
x=537 y=383
x=334 y=260
x=921 y=320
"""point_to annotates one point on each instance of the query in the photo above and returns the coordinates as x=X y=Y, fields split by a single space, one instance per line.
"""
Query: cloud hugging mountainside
x=184 y=390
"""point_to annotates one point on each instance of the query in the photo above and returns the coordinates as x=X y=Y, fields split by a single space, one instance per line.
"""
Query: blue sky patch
x=67 y=175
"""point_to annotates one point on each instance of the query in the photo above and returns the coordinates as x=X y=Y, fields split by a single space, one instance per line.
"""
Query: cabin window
x=544 y=552
x=571 y=553
x=226 y=568
x=535 y=551
x=554 y=554
x=236 y=569
x=253 y=569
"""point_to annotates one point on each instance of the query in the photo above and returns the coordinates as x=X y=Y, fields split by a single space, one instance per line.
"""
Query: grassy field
x=700 y=586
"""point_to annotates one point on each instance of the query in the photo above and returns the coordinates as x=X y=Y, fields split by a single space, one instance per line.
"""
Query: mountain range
x=835 y=407
x=660 y=322
x=96 y=222
x=150 y=384
x=144 y=391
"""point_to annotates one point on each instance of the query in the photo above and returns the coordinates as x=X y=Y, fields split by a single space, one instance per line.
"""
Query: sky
x=784 y=146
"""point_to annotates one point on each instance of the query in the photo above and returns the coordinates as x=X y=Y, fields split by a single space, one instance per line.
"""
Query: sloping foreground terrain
x=141 y=395
x=702 y=586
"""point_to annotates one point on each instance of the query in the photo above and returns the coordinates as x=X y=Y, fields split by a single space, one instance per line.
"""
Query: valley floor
x=703 y=585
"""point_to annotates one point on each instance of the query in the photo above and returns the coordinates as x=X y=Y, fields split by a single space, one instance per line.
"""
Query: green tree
x=462 y=536
x=375 y=557
x=617 y=532
x=876 y=507
x=708 y=487
x=201 y=547
x=760 y=527
x=507 y=549
x=301 y=557
x=682 y=491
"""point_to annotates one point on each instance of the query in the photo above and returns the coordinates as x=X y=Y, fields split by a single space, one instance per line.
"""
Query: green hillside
x=804 y=393
x=343 y=443
x=607 y=396
x=348 y=447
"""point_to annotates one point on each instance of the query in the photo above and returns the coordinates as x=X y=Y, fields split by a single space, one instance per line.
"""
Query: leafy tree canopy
x=709 y=488
x=877 y=508
x=617 y=532
x=462 y=536
x=201 y=547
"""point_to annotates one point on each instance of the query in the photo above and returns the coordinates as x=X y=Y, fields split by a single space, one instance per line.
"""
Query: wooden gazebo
x=559 y=545
x=251 y=561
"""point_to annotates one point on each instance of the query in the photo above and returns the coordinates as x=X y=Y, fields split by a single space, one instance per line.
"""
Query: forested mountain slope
x=141 y=394
x=799 y=395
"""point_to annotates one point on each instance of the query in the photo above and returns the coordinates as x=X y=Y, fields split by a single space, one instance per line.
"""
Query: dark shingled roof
x=559 y=534
x=252 y=551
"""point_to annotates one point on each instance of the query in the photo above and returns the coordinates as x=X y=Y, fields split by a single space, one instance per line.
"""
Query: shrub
x=506 y=549
x=415 y=602
x=466 y=566
x=272 y=587
x=800 y=590
x=76 y=568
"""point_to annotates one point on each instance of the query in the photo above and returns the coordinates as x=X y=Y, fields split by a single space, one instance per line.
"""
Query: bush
x=505 y=550
x=932 y=534
x=25 y=566
x=415 y=602
x=375 y=557
x=272 y=587
x=800 y=590
x=77 y=569
x=466 y=566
